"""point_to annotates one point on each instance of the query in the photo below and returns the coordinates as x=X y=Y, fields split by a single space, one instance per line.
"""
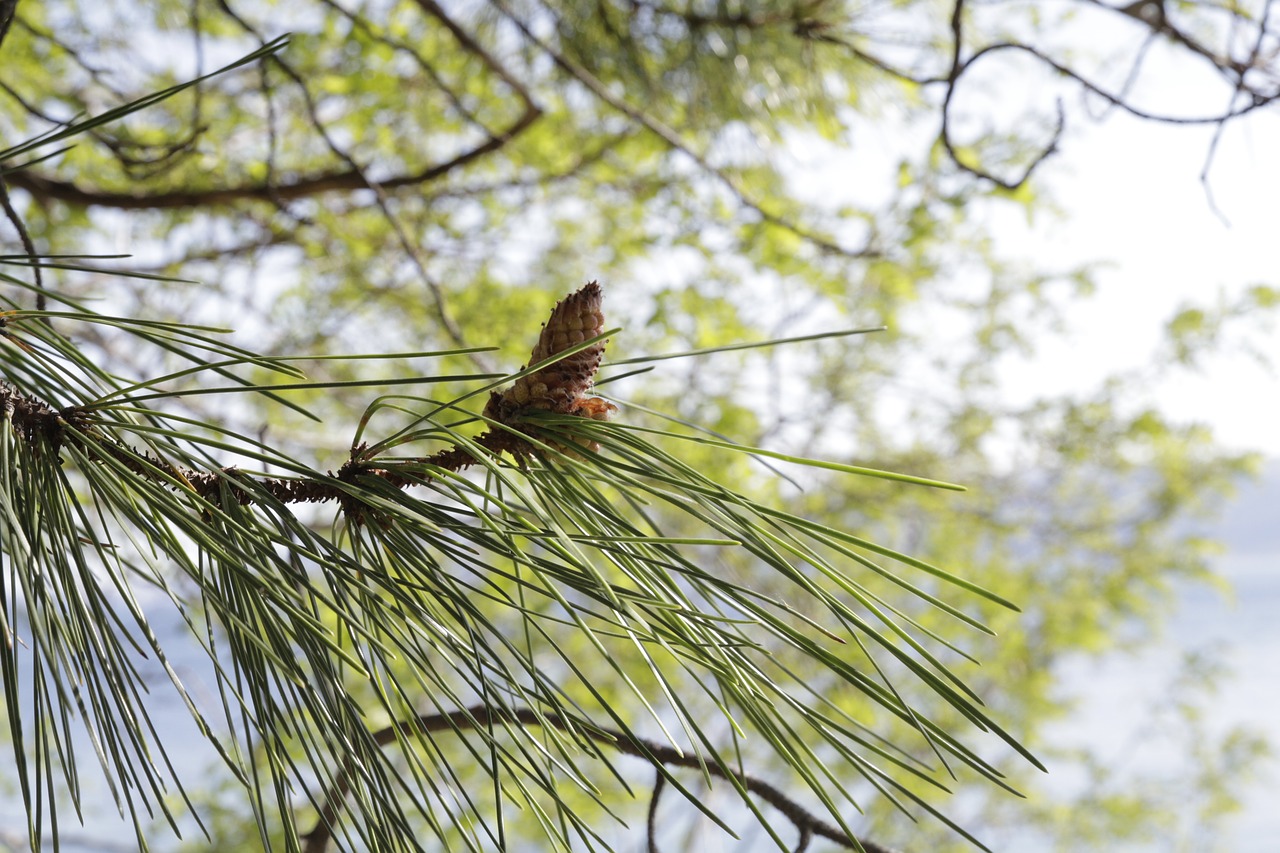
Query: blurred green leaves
x=415 y=183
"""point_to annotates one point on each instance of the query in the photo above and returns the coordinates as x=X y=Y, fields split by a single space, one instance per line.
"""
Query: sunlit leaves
x=1077 y=508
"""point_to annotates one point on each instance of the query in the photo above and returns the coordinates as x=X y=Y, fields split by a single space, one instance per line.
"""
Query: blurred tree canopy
x=407 y=176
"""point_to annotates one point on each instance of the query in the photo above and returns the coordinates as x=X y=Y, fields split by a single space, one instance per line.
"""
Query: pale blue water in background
x=1241 y=631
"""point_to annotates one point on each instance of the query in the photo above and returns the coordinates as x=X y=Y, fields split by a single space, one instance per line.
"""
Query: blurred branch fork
x=1251 y=75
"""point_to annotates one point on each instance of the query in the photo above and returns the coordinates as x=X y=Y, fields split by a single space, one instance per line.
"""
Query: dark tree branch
x=337 y=180
x=1148 y=13
x=958 y=68
x=27 y=245
x=482 y=717
x=651 y=822
x=1255 y=100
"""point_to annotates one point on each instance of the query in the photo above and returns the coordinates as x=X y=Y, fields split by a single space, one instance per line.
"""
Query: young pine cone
x=561 y=387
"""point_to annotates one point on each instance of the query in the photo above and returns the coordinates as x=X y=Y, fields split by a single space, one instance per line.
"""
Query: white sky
x=1133 y=197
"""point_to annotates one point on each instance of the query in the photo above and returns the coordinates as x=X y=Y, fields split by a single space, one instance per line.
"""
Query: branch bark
x=482 y=717
x=49 y=188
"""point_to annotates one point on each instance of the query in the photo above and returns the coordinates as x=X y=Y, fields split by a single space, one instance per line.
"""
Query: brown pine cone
x=561 y=387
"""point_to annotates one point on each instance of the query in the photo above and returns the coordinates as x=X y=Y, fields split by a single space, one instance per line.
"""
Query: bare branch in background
x=806 y=22
x=486 y=718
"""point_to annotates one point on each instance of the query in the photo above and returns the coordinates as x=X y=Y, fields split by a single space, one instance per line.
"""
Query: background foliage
x=413 y=176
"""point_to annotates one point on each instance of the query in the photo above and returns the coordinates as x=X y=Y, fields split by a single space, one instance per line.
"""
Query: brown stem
x=481 y=717
x=37 y=421
x=12 y=215
x=340 y=180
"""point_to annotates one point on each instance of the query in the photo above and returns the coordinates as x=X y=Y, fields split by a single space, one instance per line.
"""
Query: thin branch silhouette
x=480 y=717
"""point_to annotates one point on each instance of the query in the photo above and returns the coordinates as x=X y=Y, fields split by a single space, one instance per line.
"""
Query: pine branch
x=411 y=588
x=566 y=346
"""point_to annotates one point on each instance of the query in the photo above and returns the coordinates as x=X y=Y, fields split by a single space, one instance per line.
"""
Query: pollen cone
x=561 y=387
